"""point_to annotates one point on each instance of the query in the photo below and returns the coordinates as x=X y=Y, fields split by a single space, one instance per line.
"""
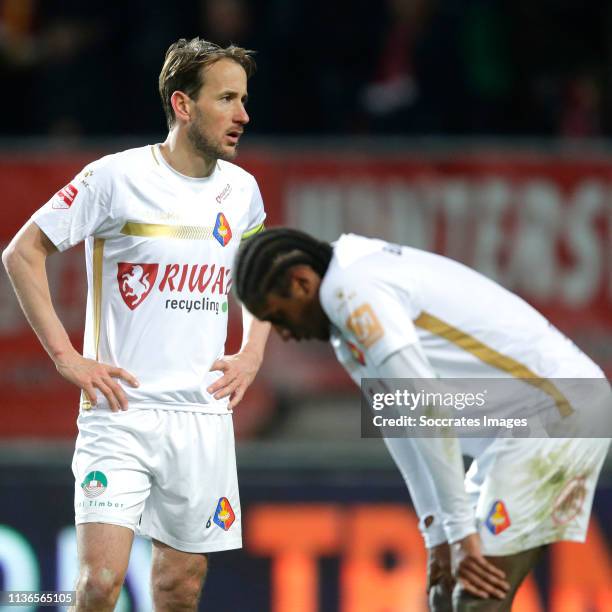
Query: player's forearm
x=440 y=457
x=443 y=459
x=422 y=490
x=254 y=334
x=26 y=269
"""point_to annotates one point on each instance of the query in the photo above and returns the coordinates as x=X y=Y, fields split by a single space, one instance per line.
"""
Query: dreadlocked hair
x=264 y=259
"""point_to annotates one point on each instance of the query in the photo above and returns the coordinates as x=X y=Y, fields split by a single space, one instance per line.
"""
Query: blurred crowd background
x=411 y=67
x=479 y=129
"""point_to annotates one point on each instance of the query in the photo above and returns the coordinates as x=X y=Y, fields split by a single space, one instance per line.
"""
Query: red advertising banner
x=540 y=224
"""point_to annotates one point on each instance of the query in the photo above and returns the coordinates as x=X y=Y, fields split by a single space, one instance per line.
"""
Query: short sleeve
x=370 y=312
x=79 y=209
x=257 y=214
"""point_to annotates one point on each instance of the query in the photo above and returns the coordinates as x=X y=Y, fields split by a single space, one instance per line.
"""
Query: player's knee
x=173 y=592
x=466 y=602
x=98 y=588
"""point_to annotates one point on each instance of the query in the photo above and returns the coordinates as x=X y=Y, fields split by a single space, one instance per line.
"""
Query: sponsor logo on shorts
x=224 y=515
x=364 y=323
x=569 y=502
x=356 y=352
x=222 y=231
x=65 y=197
x=498 y=519
x=135 y=281
x=100 y=505
x=95 y=484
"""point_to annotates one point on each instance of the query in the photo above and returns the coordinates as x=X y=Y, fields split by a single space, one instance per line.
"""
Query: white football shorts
x=167 y=475
x=529 y=492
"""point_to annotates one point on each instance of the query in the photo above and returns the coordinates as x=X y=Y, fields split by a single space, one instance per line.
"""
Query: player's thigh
x=104 y=548
x=516 y=567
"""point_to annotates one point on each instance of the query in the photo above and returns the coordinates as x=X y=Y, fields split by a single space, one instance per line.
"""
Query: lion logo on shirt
x=135 y=282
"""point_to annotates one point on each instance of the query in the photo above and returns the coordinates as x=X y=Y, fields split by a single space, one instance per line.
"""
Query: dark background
x=451 y=67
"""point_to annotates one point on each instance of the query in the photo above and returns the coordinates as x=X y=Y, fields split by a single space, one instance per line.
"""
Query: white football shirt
x=381 y=297
x=159 y=249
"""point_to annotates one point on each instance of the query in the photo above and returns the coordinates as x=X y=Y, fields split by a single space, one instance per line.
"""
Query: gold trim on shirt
x=253 y=231
x=98 y=256
x=179 y=232
x=493 y=358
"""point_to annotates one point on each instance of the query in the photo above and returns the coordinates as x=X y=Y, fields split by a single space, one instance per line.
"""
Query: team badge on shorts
x=224 y=514
x=498 y=519
x=222 y=231
x=95 y=484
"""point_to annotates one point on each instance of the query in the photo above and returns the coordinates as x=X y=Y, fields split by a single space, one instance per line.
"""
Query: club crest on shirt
x=65 y=197
x=224 y=515
x=135 y=282
x=222 y=231
x=364 y=323
x=498 y=519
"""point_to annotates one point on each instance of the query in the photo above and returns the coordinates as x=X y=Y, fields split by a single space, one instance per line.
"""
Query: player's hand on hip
x=92 y=376
x=473 y=572
x=239 y=370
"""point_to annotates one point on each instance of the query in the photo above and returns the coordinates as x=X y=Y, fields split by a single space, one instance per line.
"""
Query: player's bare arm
x=239 y=370
x=24 y=260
